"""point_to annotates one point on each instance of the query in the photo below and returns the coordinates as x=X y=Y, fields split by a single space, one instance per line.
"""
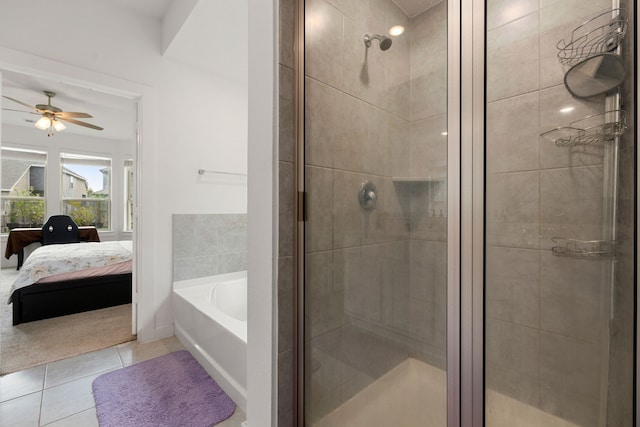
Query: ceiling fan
x=52 y=116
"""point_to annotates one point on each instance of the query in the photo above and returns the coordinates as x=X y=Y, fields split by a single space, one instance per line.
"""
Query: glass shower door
x=375 y=248
x=559 y=249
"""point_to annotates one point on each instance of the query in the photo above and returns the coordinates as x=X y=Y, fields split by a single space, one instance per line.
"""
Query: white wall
x=262 y=227
x=198 y=122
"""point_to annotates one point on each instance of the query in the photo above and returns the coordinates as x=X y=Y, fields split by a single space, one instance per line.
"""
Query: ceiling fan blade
x=78 y=122
x=64 y=114
x=21 y=111
x=21 y=103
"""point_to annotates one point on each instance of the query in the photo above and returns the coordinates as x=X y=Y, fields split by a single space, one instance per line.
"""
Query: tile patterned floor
x=59 y=393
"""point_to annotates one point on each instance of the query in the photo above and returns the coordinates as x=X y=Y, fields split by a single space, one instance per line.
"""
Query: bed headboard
x=60 y=229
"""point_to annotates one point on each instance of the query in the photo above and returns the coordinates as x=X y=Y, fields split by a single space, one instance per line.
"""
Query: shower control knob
x=367 y=196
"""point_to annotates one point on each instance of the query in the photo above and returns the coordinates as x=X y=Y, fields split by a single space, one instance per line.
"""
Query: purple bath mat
x=168 y=391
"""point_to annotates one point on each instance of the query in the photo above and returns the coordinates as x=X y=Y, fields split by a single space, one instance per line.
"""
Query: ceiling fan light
x=43 y=123
x=58 y=125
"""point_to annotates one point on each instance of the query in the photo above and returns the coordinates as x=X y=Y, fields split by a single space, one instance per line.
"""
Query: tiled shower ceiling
x=414 y=7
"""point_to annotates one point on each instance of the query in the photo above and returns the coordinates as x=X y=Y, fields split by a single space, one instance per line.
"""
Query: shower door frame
x=462 y=134
x=472 y=199
x=466 y=118
x=299 y=215
x=636 y=409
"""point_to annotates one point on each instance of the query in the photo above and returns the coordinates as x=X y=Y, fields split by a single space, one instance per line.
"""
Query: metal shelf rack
x=601 y=34
x=584 y=249
x=594 y=129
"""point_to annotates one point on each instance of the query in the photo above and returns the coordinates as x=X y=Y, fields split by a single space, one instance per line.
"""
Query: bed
x=60 y=278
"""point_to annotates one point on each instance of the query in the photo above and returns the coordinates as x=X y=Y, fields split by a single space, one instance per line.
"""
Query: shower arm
x=385 y=42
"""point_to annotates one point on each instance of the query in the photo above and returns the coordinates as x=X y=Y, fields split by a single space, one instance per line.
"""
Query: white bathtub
x=211 y=322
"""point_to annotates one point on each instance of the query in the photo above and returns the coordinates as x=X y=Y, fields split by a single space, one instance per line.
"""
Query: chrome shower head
x=385 y=42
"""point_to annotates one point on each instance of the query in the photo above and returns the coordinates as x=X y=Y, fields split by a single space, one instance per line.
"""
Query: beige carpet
x=35 y=343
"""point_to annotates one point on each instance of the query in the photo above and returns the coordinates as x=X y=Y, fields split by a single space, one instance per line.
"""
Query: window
x=128 y=195
x=23 y=177
x=86 y=189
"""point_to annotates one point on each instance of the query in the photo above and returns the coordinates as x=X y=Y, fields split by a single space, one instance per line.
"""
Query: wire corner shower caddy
x=601 y=34
x=595 y=129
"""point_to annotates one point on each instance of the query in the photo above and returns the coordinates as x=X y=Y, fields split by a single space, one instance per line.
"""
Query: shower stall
x=466 y=231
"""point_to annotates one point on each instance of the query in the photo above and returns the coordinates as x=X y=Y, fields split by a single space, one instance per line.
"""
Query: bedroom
x=173 y=82
x=81 y=171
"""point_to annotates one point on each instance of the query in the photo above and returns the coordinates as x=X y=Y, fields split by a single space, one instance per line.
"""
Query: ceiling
x=414 y=8
x=206 y=23
x=215 y=39
x=158 y=8
x=152 y=8
x=113 y=113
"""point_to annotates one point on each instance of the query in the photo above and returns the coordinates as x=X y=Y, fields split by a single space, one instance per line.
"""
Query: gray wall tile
x=513 y=206
x=570 y=378
x=193 y=267
x=501 y=12
x=512 y=361
x=208 y=244
x=513 y=69
x=512 y=138
x=287 y=29
x=286 y=137
x=320 y=223
x=286 y=205
x=324 y=42
x=429 y=147
x=324 y=122
x=429 y=63
x=512 y=285
x=570 y=297
x=364 y=72
x=286 y=361
x=285 y=304
x=571 y=204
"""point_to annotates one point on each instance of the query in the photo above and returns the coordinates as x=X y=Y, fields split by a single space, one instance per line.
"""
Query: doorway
x=70 y=158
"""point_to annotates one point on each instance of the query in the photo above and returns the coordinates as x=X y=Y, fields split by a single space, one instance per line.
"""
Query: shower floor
x=414 y=394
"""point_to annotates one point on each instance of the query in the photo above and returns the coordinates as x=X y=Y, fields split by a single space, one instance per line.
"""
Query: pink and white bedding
x=52 y=263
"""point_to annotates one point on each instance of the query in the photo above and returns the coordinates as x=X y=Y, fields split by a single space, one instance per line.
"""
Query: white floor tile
x=67 y=399
x=21 y=412
x=21 y=383
x=81 y=366
x=86 y=418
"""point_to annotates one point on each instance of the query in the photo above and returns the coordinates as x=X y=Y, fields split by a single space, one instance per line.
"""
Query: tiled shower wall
x=375 y=279
x=542 y=333
x=286 y=199
x=426 y=299
x=208 y=244
x=546 y=328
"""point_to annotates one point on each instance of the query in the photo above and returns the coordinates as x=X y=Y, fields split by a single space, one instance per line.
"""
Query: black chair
x=60 y=229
